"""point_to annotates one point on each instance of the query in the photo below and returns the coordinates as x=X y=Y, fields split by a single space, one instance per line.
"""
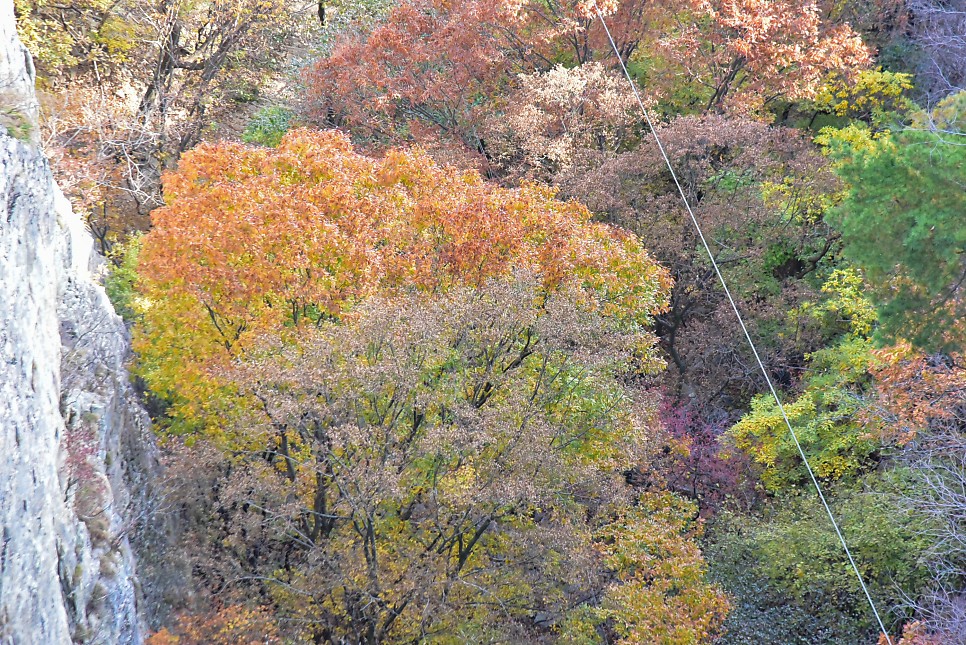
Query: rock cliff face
x=76 y=453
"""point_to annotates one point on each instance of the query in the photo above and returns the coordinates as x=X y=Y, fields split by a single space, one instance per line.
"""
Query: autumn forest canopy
x=435 y=353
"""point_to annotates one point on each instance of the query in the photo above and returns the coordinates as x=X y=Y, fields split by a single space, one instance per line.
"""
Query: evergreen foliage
x=902 y=222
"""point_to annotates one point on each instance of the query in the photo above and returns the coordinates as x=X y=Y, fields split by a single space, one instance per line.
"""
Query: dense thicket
x=405 y=305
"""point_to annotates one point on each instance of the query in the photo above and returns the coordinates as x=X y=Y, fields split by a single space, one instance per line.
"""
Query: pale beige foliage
x=556 y=118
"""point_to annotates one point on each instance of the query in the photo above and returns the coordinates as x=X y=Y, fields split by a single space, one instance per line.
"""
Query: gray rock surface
x=77 y=458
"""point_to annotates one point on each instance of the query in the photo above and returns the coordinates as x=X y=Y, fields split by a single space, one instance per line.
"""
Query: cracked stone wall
x=77 y=459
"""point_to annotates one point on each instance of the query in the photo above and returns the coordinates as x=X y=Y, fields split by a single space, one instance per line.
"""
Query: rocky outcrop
x=77 y=460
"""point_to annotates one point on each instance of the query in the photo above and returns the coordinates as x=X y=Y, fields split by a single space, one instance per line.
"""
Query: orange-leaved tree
x=743 y=54
x=258 y=241
x=915 y=391
x=434 y=70
x=419 y=74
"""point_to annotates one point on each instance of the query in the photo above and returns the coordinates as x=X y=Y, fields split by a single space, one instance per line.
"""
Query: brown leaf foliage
x=759 y=193
x=439 y=466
